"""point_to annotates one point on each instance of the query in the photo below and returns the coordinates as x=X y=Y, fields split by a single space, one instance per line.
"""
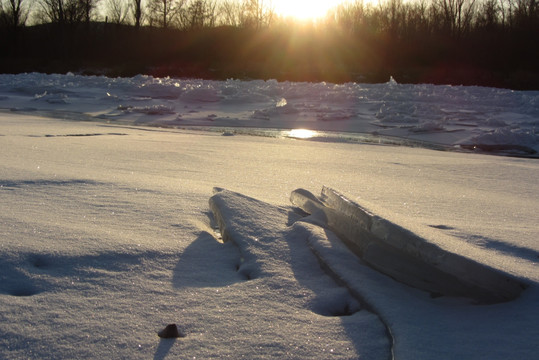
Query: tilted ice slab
x=403 y=255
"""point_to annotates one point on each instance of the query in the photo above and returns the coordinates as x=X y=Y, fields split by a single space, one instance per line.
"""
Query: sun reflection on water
x=302 y=133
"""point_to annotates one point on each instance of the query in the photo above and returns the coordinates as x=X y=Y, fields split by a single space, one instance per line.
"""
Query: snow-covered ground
x=107 y=236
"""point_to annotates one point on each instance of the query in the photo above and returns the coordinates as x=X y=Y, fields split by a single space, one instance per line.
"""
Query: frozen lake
x=455 y=117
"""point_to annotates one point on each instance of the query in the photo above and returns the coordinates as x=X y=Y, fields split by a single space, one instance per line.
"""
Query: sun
x=304 y=9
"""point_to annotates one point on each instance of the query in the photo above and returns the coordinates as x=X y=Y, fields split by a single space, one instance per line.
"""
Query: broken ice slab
x=404 y=255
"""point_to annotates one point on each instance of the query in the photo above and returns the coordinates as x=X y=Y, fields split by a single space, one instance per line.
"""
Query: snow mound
x=275 y=256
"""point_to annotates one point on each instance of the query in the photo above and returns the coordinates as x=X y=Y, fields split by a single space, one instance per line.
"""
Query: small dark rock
x=170 y=331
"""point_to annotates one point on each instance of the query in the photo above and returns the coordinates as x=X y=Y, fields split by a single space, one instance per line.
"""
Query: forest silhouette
x=469 y=42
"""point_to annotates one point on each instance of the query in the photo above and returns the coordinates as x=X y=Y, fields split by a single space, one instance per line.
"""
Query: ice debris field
x=126 y=232
x=458 y=117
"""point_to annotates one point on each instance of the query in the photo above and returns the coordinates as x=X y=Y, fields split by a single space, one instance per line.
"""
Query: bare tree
x=259 y=13
x=392 y=14
x=117 y=11
x=53 y=11
x=199 y=14
x=348 y=16
x=456 y=15
x=88 y=7
x=212 y=13
x=137 y=12
x=15 y=13
x=164 y=13
x=3 y=16
x=489 y=15
x=231 y=13
x=67 y=11
x=526 y=12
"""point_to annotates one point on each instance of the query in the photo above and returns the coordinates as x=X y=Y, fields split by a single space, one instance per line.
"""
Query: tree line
x=480 y=42
x=179 y=14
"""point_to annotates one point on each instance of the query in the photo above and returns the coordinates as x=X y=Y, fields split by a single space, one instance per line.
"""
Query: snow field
x=107 y=238
x=98 y=255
